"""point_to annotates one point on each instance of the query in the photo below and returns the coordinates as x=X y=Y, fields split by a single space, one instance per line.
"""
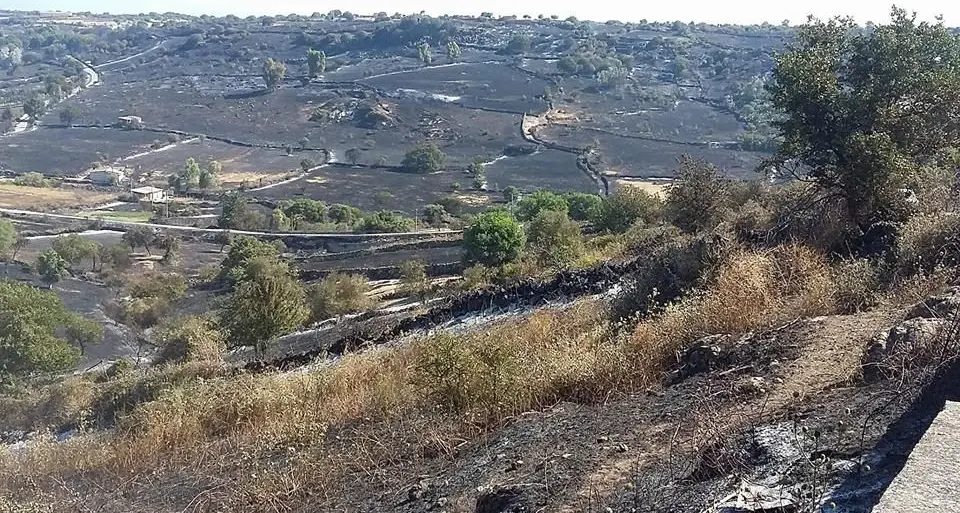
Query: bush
x=386 y=222
x=32 y=179
x=339 y=294
x=413 y=279
x=583 y=206
x=425 y=158
x=190 y=339
x=628 y=205
x=476 y=277
x=554 y=239
x=494 y=238
x=540 y=201
x=928 y=241
x=698 y=197
x=857 y=285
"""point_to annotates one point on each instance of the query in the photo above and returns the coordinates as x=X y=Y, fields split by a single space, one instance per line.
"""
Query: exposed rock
x=512 y=499
x=909 y=344
x=945 y=306
x=754 y=497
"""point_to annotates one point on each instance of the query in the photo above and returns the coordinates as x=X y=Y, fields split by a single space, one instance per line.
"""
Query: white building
x=149 y=194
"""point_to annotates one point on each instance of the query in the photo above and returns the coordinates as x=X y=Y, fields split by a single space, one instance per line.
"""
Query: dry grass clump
x=928 y=241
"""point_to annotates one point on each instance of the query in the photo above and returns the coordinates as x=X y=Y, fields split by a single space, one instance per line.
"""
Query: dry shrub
x=857 y=285
x=928 y=241
x=59 y=404
x=190 y=339
x=802 y=214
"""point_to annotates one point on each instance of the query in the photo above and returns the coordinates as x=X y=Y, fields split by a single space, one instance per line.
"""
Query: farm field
x=51 y=198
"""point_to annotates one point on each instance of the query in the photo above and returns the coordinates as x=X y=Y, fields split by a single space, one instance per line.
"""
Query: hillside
x=466 y=264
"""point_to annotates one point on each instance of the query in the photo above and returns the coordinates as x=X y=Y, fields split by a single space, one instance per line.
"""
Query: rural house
x=149 y=194
x=107 y=176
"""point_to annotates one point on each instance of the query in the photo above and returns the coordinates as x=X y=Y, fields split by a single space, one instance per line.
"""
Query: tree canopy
x=494 y=238
x=425 y=158
x=864 y=109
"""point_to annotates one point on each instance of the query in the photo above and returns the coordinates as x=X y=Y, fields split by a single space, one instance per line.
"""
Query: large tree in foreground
x=865 y=109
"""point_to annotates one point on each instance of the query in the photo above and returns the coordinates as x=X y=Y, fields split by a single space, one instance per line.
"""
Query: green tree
x=434 y=214
x=8 y=236
x=625 y=207
x=35 y=106
x=339 y=294
x=316 y=62
x=69 y=114
x=540 y=201
x=480 y=179
x=864 y=109
x=224 y=238
x=453 y=51
x=138 y=236
x=116 y=255
x=267 y=303
x=51 y=266
x=236 y=214
x=190 y=339
x=698 y=197
x=583 y=206
x=29 y=340
x=519 y=43
x=172 y=247
x=209 y=176
x=243 y=249
x=273 y=73
x=494 y=238
x=353 y=155
x=82 y=332
x=425 y=158
x=386 y=222
x=425 y=53
x=74 y=248
x=511 y=194
x=413 y=279
x=554 y=238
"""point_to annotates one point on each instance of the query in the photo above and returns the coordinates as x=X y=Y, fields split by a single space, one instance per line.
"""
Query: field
x=50 y=198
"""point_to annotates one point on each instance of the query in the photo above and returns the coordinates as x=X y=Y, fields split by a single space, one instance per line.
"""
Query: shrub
x=583 y=206
x=857 y=285
x=626 y=206
x=386 y=222
x=540 y=201
x=928 y=241
x=554 y=238
x=476 y=277
x=413 y=279
x=339 y=294
x=698 y=197
x=494 y=238
x=32 y=179
x=190 y=339
x=425 y=158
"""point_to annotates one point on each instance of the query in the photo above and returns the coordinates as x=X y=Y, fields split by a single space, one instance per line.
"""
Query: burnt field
x=62 y=152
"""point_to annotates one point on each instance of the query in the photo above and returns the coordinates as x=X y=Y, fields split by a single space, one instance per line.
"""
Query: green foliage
x=303 y=209
x=494 y=238
x=243 y=249
x=140 y=236
x=425 y=53
x=237 y=214
x=857 y=285
x=476 y=277
x=82 y=332
x=74 y=248
x=316 y=62
x=29 y=341
x=554 y=238
x=453 y=51
x=35 y=106
x=190 y=339
x=698 y=197
x=116 y=255
x=425 y=158
x=273 y=73
x=386 y=222
x=209 y=176
x=352 y=155
x=518 y=44
x=267 y=303
x=511 y=194
x=540 y=201
x=51 y=266
x=8 y=236
x=339 y=294
x=583 y=206
x=188 y=177
x=413 y=279
x=864 y=108
x=344 y=214
x=434 y=214
x=224 y=238
x=625 y=207
x=32 y=179
x=69 y=114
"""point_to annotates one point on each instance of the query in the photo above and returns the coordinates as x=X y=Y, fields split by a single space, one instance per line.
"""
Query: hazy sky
x=717 y=11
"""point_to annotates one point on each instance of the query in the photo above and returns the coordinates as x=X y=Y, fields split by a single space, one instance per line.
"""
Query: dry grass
x=655 y=187
x=252 y=178
x=475 y=380
x=41 y=198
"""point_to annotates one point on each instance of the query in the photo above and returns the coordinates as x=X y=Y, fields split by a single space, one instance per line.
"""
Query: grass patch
x=41 y=198
x=107 y=215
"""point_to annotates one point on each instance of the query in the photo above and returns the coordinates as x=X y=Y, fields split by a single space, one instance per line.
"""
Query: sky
x=709 y=11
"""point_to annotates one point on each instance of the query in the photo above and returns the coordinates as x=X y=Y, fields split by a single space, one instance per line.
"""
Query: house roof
x=149 y=189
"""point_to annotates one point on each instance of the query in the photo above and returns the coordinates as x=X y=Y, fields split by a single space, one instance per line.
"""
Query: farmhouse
x=149 y=194
x=130 y=122
x=107 y=176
